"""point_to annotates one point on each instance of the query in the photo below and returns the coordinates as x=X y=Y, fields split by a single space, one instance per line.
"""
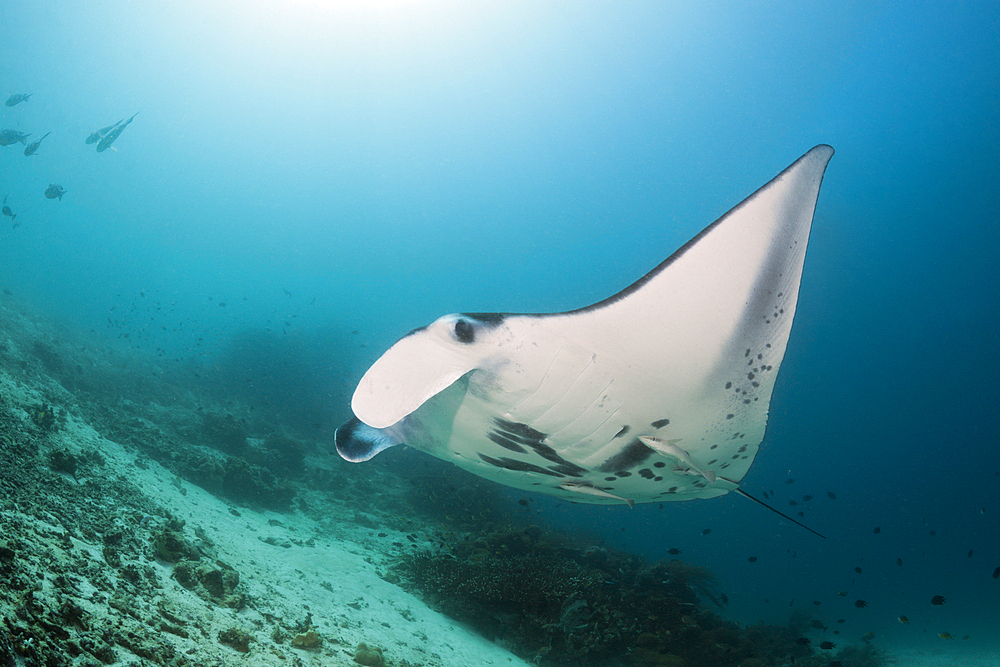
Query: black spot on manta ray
x=660 y=423
x=515 y=437
x=506 y=442
x=520 y=466
x=519 y=432
x=646 y=473
x=659 y=464
x=628 y=456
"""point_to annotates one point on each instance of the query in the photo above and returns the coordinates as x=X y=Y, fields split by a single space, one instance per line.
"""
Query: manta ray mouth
x=357 y=442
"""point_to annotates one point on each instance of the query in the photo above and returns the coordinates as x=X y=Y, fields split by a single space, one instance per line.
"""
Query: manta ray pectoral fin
x=358 y=442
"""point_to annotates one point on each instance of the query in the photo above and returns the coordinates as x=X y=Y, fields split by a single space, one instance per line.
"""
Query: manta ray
x=658 y=393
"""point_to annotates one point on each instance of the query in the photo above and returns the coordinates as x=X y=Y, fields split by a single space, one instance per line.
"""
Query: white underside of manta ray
x=657 y=393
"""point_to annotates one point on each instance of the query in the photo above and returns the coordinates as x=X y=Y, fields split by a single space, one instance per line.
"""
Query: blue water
x=324 y=168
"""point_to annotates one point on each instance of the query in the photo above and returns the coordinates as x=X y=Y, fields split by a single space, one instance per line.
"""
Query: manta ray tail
x=778 y=512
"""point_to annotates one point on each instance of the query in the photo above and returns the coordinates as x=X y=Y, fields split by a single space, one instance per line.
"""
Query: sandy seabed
x=88 y=574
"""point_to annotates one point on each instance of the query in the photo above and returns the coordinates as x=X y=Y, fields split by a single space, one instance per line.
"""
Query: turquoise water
x=323 y=169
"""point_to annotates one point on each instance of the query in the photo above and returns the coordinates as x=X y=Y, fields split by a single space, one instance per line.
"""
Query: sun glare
x=360 y=5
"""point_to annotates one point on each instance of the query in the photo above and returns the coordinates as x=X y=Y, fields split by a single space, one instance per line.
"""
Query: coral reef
x=554 y=604
x=224 y=432
x=235 y=638
x=309 y=639
x=215 y=582
x=371 y=656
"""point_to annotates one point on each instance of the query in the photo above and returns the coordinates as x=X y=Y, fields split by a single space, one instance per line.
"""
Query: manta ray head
x=424 y=363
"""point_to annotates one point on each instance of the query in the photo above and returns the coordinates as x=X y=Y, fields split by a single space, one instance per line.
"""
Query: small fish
x=877 y=530
x=860 y=604
x=752 y=559
x=670 y=448
x=674 y=551
x=33 y=146
x=802 y=641
x=55 y=190
x=817 y=624
x=792 y=503
x=938 y=599
x=858 y=570
x=826 y=646
x=96 y=136
x=831 y=495
x=899 y=562
x=789 y=481
x=10 y=214
x=868 y=636
x=970 y=553
x=588 y=490
x=945 y=635
x=996 y=573
x=806 y=498
x=8 y=137
x=14 y=100
x=841 y=620
x=110 y=137
x=842 y=594
x=706 y=531
x=904 y=620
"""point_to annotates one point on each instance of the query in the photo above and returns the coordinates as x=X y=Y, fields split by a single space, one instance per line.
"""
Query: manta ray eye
x=464 y=332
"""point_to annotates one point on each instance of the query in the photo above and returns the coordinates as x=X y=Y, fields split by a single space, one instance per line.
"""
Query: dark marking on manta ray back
x=489 y=319
x=628 y=456
x=660 y=423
